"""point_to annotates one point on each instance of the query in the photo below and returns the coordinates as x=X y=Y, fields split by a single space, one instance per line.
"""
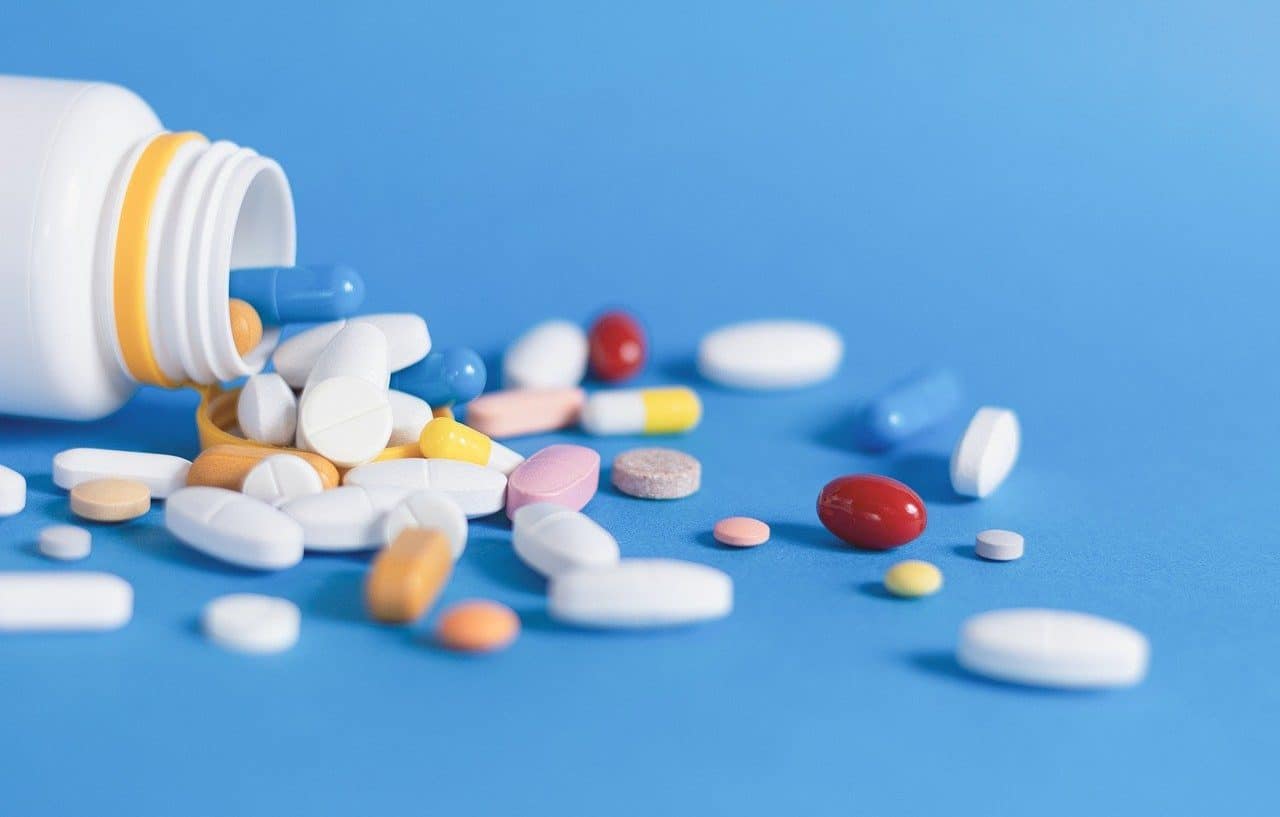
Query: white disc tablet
x=252 y=623
x=346 y=420
x=986 y=452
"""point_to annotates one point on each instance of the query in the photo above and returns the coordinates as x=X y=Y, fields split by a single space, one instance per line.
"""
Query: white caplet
x=553 y=540
x=409 y=414
x=59 y=600
x=344 y=519
x=234 y=528
x=161 y=473
x=640 y=593
x=408 y=341
x=479 y=491
x=772 y=354
x=267 y=410
x=358 y=350
x=551 y=355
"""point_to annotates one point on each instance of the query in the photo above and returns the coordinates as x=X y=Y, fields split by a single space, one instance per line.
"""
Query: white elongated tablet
x=344 y=519
x=252 y=623
x=1054 y=648
x=281 y=477
x=430 y=510
x=234 y=528
x=58 y=600
x=267 y=410
x=408 y=415
x=986 y=452
x=345 y=419
x=640 y=593
x=162 y=473
x=13 y=491
x=66 y=543
x=408 y=341
x=358 y=350
x=551 y=355
x=479 y=491
x=553 y=540
x=773 y=354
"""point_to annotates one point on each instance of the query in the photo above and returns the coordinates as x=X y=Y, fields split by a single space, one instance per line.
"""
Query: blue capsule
x=299 y=294
x=443 y=378
x=909 y=407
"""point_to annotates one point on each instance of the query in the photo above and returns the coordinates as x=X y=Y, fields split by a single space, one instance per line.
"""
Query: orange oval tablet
x=225 y=466
x=246 y=326
x=741 y=532
x=407 y=575
x=110 y=500
x=478 y=626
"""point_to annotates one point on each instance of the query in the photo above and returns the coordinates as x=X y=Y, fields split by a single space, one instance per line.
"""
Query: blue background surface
x=1073 y=204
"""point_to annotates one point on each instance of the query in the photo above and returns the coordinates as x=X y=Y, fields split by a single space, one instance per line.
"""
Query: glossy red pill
x=871 y=512
x=618 y=347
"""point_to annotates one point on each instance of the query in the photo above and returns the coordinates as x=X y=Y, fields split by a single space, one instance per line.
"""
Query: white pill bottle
x=117 y=238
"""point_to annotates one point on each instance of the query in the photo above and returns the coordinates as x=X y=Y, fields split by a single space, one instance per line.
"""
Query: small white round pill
x=267 y=409
x=66 y=543
x=252 y=623
x=281 y=477
x=345 y=419
x=999 y=545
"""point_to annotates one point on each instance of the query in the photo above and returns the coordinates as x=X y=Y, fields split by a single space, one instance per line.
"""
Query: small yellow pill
x=912 y=579
x=445 y=438
x=246 y=326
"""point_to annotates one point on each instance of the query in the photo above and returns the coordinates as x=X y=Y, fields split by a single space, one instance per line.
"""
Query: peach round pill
x=246 y=326
x=741 y=532
x=110 y=500
x=912 y=579
x=478 y=626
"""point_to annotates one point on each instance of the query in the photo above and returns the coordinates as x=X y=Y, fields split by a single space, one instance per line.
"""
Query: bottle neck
x=189 y=211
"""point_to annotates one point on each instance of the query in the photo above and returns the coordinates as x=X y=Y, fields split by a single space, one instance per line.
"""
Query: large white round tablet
x=986 y=452
x=267 y=409
x=235 y=528
x=1054 y=648
x=65 y=543
x=408 y=341
x=770 y=354
x=428 y=509
x=252 y=623
x=551 y=355
x=281 y=477
x=553 y=540
x=346 y=518
x=409 y=414
x=640 y=593
x=479 y=491
x=999 y=545
x=346 y=420
x=161 y=473
x=13 y=491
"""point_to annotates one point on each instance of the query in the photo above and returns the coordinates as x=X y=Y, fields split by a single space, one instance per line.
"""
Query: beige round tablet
x=110 y=500
x=656 y=473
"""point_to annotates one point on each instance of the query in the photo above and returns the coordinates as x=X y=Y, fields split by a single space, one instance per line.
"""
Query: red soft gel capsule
x=871 y=512
x=618 y=347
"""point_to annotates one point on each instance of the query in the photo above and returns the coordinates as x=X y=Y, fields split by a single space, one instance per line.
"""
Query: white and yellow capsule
x=642 y=411
x=446 y=438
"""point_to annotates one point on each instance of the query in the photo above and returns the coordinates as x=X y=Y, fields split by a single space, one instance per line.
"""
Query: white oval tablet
x=343 y=519
x=986 y=452
x=409 y=414
x=770 y=354
x=281 y=477
x=430 y=510
x=345 y=419
x=267 y=410
x=161 y=473
x=479 y=491
x=553 y=540
x=234 y=528
x=58 y=600
x=999 y=545
x=551 y=355
x=358 y=350
x=640 y=593
x=13 y=491
x=1055 y=648
x=65 y=543
x=408 y=341
x=252 y=623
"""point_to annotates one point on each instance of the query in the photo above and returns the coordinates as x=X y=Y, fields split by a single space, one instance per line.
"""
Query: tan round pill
x=478 y=626
x=246 y=326
x=407 y=575
x=110 y=500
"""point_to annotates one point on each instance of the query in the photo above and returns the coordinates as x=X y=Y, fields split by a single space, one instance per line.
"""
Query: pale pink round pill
x=741 y=532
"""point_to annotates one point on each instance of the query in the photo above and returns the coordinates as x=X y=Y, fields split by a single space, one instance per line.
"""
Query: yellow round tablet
x=912 y=579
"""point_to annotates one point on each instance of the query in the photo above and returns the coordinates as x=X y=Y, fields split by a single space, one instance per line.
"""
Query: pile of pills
x=351 y=444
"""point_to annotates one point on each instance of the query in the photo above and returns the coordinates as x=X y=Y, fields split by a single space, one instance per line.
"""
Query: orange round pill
x=741 y=532
x=246 y=326
x=478 y=626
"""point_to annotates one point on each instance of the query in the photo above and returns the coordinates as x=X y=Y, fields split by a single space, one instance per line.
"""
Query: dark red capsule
x=871 y=512
x=618 y=347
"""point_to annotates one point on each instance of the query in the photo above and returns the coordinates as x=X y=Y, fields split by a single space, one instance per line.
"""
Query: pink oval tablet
x=565 y=475
x=515 y=412
x=741 y=532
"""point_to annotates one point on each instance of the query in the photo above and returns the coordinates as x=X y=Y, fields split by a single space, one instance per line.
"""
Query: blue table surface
x=1072 y=204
